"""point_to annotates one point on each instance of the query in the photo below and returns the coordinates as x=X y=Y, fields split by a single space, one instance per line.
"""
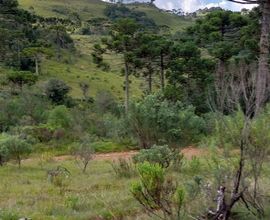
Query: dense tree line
x=26 y=38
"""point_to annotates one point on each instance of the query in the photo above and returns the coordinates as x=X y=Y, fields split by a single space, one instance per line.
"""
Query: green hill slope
x=88 y=9
x=75 y=69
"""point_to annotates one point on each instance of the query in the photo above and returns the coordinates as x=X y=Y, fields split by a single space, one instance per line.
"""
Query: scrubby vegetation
x=112 y=115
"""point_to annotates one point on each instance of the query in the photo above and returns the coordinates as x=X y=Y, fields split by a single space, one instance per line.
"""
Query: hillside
x=88 y=9
x=81 y=69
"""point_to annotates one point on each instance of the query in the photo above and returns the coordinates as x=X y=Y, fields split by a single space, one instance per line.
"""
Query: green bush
x=105 y=101
x=156 y=121
x=6 y=215
x=43 y=133
x=161 y=155
x=72 y=202
x=158 y=194
x=117 y=129
x=57 y=90
x=13 y=147
x=59 y=117
x=3 y=150
x=194 y=165
x=10 y=113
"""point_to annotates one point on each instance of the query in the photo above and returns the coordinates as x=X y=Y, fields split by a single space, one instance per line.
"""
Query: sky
x=193 y=5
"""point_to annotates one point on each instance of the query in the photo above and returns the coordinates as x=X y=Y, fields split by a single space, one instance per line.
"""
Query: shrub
x=161 y=155
x=84 y=153
x=123 y=168
x=15 y=148
x=22 y=77
x=10 y=113
x=156 y=193
x=56 y=90
x=59 y=117
x=59 y=133
x=155 y=121
x=42 y=133
x=194 y=165
x=3 y=151
x=105 y=101
x=6 y=215
x=194 y=187
x=117 y=128
x=72 y=202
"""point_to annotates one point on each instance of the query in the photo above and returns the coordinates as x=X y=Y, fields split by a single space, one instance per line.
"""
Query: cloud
x=229 y=5
x=193 y=5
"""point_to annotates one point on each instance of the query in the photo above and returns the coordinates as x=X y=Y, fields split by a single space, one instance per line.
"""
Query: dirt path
x=188 y=152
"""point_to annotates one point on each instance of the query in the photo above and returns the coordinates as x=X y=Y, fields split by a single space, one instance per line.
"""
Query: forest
x=114 y=111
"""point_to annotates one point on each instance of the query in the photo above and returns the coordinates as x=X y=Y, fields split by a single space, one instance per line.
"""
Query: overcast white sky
x=193 y=5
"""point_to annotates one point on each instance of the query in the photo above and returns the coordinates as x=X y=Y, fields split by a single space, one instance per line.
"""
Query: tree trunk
x=36 y=64
x=220 y=84
x=162 y=75
x=150 y=81
x=263 y=78
x=1 y=161
x=85 y=166
x=19 y=161
x=58 y=46
x=126 y=86
x=224 y=208
x=18 y=53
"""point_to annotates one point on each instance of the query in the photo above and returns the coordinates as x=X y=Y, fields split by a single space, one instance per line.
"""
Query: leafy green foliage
x=60 y=117
x=161 y=155
x=72 y=202
x=13 y=147
x=10 y=113
x=156 y=193
x=118 y=129
x=228 y=131
x=22 y=77
x=116 y=11
x=155 y=120
x=57 y=90
x=190 y=76
x=6 y=215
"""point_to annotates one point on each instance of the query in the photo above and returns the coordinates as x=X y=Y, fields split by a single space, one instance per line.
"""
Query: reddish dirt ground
x=188 y=152
x=116 y=155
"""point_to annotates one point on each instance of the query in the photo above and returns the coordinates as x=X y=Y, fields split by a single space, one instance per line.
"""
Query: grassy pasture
x=100 y=194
